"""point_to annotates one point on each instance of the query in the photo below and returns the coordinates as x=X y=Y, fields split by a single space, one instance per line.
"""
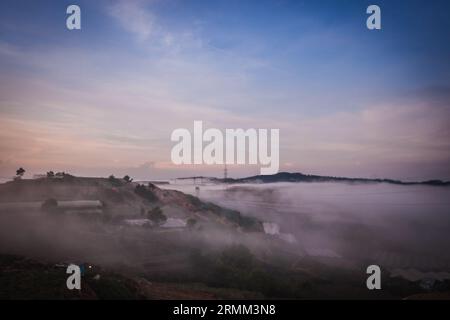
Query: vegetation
x=145 y=193
x=114 y=181
x=300 y=177
x=247 y=223
x=156 y=216
x=127 y=179
x=27 y=279
x=236 y=267
x=19 y=173
x=114 y=287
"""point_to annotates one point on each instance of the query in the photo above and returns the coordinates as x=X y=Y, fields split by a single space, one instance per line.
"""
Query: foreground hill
x=119 y=200
x=23 y=278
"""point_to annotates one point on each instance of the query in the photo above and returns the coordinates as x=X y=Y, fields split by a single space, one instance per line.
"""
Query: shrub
x=114 y=181
x=156 y=216
x=145 y=193
x=127 y=179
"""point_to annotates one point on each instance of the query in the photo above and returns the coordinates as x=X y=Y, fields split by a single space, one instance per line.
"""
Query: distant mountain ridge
x=300 y=177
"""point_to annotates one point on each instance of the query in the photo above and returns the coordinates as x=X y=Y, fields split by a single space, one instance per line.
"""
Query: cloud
x=83 y=107
x=9 y=50
x=133 y=17
x=127 y=121
x=406 y=138
x=138 y=18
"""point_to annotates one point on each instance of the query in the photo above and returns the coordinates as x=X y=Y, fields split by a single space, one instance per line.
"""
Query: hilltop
x=300 y=177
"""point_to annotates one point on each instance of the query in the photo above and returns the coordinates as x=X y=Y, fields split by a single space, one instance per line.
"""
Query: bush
x=236 y=267
x=20 y=172
x=145 y=193
x=114 y=181
x=156 y=216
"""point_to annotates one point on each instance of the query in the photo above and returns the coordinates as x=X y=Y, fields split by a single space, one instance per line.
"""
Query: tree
x=127 y=179
x=19 y=173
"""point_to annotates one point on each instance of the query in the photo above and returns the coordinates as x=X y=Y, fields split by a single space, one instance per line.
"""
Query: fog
x=392 y=225
x=337 y=224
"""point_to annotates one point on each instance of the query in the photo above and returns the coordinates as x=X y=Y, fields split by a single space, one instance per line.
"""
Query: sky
x=105 y=99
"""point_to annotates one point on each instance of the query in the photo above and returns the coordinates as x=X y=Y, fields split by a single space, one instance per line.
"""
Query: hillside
x=120 y=200
x=23 y=278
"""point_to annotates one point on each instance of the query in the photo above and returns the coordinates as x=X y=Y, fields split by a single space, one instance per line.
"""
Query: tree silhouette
x=127 y=178
x=20 y=172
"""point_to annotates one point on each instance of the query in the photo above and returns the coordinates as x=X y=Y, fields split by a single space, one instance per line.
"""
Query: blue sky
x=348 y=101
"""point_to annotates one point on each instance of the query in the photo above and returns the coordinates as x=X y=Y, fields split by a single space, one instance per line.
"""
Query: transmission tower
x=225 y=172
